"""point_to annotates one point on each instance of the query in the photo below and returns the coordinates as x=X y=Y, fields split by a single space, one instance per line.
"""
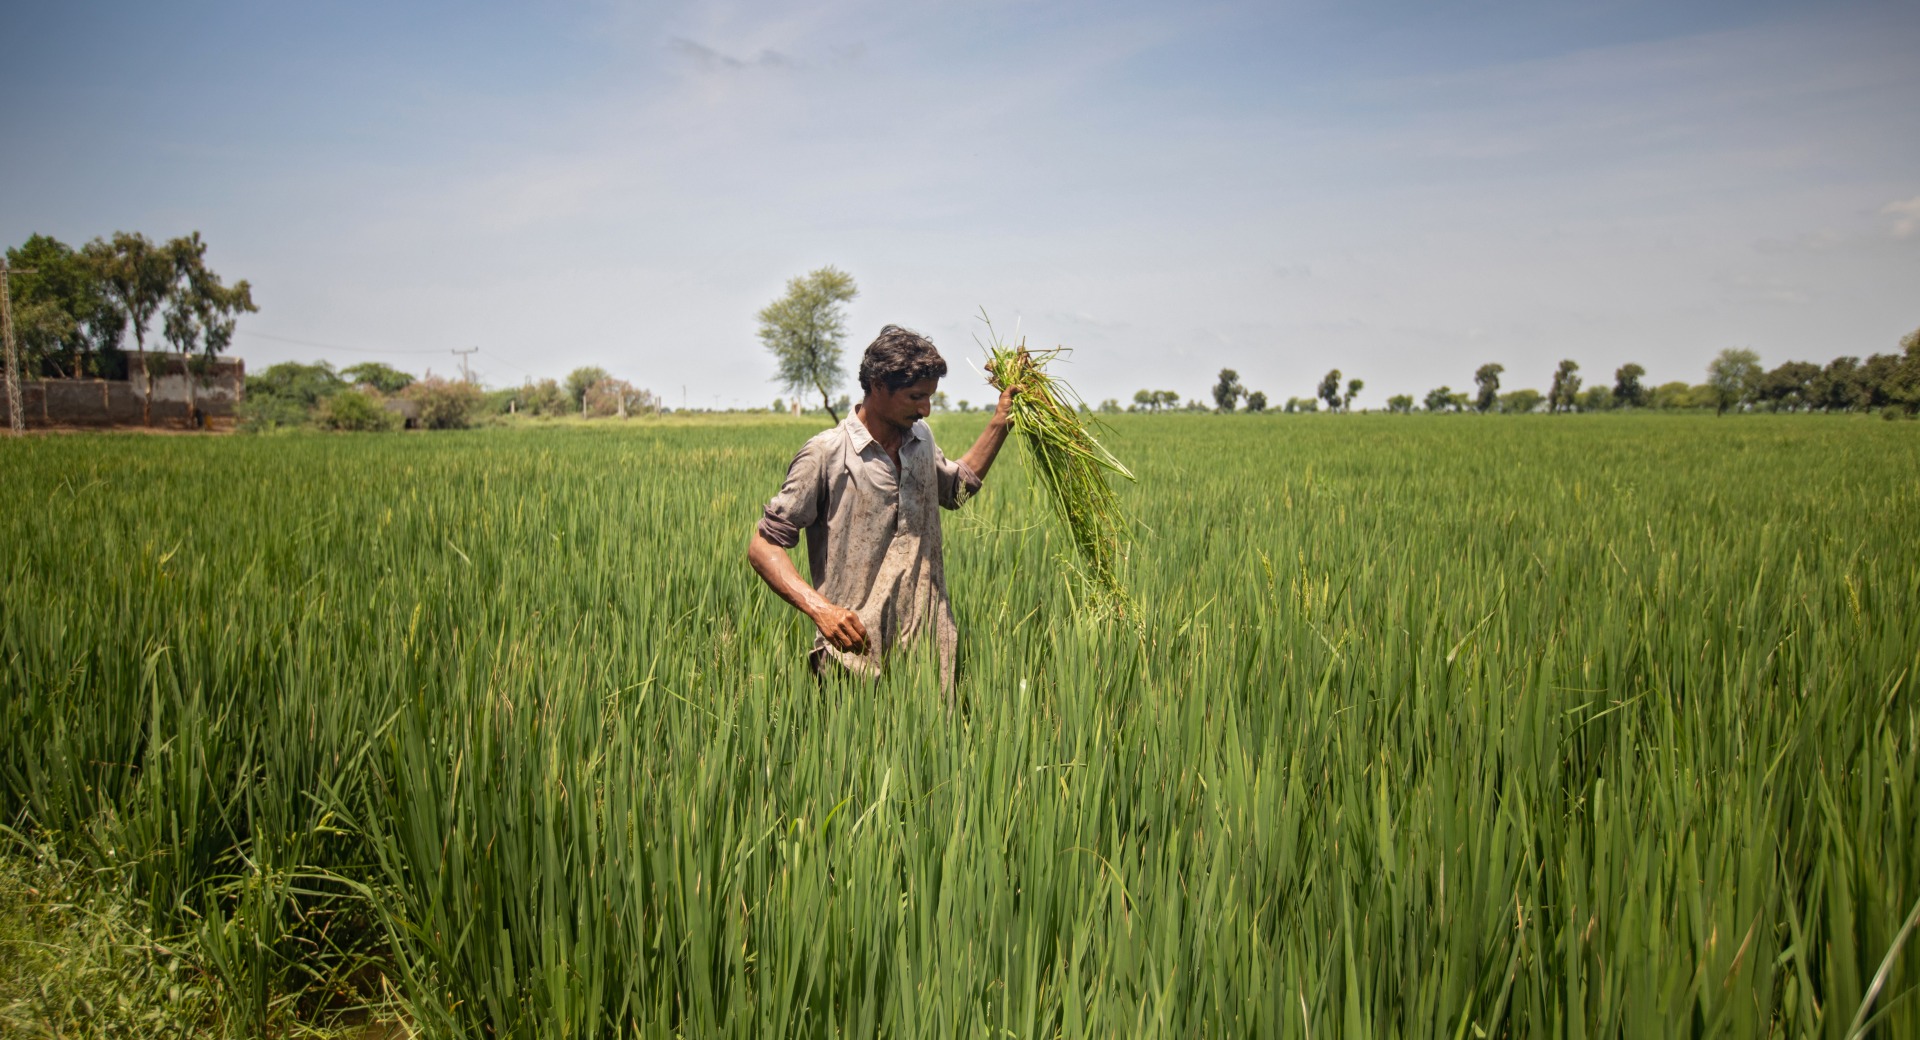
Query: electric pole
x=15 y=407
x=465 y=372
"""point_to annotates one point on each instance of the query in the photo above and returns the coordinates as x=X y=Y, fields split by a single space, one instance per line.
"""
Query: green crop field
x=1425 y=726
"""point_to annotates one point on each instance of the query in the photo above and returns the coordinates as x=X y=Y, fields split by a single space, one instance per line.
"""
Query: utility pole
x=465 y=372
x=15 y=407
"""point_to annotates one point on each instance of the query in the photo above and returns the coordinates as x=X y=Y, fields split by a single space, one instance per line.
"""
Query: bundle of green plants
x=1069 y=461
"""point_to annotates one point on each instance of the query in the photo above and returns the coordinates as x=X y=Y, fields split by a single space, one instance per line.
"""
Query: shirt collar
x=859 y=436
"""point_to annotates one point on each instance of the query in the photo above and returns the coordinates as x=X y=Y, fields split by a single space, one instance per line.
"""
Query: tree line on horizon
x=1736 y=381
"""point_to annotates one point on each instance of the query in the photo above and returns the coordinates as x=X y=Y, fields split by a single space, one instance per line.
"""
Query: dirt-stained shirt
x=873 y=535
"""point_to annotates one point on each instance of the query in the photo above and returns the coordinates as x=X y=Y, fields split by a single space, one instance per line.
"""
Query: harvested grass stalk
x=1072 y=464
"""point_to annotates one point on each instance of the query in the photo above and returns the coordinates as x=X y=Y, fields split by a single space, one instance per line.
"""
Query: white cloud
x=1906 y=216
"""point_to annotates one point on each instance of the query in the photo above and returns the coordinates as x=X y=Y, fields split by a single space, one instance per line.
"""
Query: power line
x=336 y=346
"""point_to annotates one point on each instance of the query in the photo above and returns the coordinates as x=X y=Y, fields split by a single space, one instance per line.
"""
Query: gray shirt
x=873 y=535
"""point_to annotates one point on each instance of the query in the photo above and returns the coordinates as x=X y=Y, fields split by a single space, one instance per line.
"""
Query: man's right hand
x=842 y=628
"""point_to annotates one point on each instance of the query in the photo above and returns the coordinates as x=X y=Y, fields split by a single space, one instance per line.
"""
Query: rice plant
x=1586 y=726
x=1068 y=461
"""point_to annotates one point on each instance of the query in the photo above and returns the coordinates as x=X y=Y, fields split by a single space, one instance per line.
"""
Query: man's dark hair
x=900 y=358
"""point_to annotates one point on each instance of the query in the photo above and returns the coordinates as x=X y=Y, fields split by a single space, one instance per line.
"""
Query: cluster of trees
x=73 y=309
x=1736 y=381
x=372 y=397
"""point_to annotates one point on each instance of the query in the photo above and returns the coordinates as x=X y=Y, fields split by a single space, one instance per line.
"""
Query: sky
x=1402 y=191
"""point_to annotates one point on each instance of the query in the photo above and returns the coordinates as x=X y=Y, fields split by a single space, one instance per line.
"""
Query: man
x=868 y=494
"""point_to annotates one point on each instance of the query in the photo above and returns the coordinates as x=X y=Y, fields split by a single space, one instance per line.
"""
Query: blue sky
x=1402 y=191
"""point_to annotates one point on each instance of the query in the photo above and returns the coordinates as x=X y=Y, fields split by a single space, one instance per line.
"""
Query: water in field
x=1581 y=726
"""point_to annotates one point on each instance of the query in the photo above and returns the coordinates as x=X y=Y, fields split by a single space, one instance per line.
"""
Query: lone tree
x=1565 y=388
x=804 y=329
x=1488 y=378
x=1628 y=391
x=1734 y=375
x=1228 y=391
x=1257 y=401
x=1330 y=390
x=1354 y=386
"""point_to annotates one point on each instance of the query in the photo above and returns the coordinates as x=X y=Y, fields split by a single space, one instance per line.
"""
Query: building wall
x=124 y=402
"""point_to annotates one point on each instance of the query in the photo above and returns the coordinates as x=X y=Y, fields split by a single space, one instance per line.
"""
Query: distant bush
x=260 y=413
x=610 y=396
x=286 y=394
x=444 y=403
x=355 y=411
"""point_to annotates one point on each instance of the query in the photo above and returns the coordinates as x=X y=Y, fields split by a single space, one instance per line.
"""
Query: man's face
x=899 y=408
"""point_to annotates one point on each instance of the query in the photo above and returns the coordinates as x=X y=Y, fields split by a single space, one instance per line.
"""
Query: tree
x=1441 y=399
x=1228 y=391
x=1733 y=375
x=287 y=394
x=804 y=329
x=384 y=378
x=1789 y=387
x=1110 y=406
x=939 y=401
x=1628 y=392
x=445 y=404
x=134 y=275
x=1330 y=390
x=1257 y=401
x=1354 y=386
x=64 y=324
x=1566 y=387
x=1596 y=398
x=1487 y=378
x=1837 y=388
x=1402 y=403
x=1521 y=401
x=201 y=312
x=617 y=397
x=579 y=381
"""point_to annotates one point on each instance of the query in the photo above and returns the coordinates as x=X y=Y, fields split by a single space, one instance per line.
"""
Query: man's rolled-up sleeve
x=798 y=503
x=958 y=481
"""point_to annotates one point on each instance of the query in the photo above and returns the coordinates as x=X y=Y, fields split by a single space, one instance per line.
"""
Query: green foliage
x=201 y=310
x=1565 y=391
x=356 y=411
x=1154 y=400
x=1734 y=376
x=1256 y=402
x=79 y=961
x=1330 y=390
x=1628 y=392
x=579 y=381
x=1354 y=386
x=1228 y=391
x=445 y=404
x=286 y=394
x=617 y=397
x=135 y=276
x=64 y=324
x=1600 y=727
x=1520 y=401
x=804 y=328
x=1400 y=403
x=1487 y=378
x=1444 y=399
x=384 y=378
x=1596 y=398
x=306 y=385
